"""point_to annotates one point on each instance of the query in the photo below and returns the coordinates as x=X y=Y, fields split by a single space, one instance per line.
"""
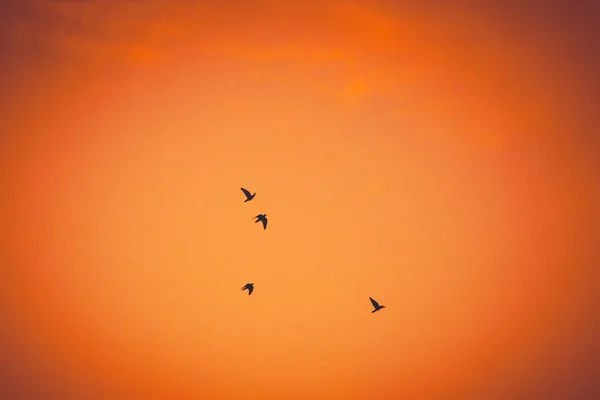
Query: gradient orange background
x=441 y=157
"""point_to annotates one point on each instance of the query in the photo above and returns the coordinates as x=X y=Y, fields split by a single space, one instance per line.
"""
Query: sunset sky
x=442 y=157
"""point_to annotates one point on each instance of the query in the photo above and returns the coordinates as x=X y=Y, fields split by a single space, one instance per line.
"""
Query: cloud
x=340 y=38
x=262 y=31
x=362 y=48
x=96 y=30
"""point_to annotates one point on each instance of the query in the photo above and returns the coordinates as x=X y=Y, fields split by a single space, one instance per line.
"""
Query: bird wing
x=247 y=193
x=250 y=289
x=375 y=304
x=245 y=287
x=264 y=221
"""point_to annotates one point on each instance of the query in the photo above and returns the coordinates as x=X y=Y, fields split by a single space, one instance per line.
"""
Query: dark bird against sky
x=249 y=287
x=263 y=218
x=376 y=305
x=248 y=195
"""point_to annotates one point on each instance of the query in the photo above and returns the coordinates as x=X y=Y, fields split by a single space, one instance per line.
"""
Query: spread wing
x=375 y=304
x=245 y=287
x=250 y=289
x=247 y=193
x=264 y=221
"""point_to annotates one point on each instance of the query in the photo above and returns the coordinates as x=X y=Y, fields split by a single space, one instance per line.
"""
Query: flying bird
x=263 y=218
x=376 y=305
x=248 y=195
x=250 y=287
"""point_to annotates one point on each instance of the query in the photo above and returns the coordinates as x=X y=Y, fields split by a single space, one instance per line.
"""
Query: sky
x=438 y=156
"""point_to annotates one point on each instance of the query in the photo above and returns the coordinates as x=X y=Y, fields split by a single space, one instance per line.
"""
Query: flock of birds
x=263 y=218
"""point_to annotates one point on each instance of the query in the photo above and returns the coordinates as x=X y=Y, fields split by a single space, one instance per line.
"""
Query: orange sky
x=440 y=157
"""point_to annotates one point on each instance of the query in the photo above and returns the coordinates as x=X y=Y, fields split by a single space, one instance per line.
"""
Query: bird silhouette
x=376 y=305
x=248 y=195
x=250 y=287
x=263 y=218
